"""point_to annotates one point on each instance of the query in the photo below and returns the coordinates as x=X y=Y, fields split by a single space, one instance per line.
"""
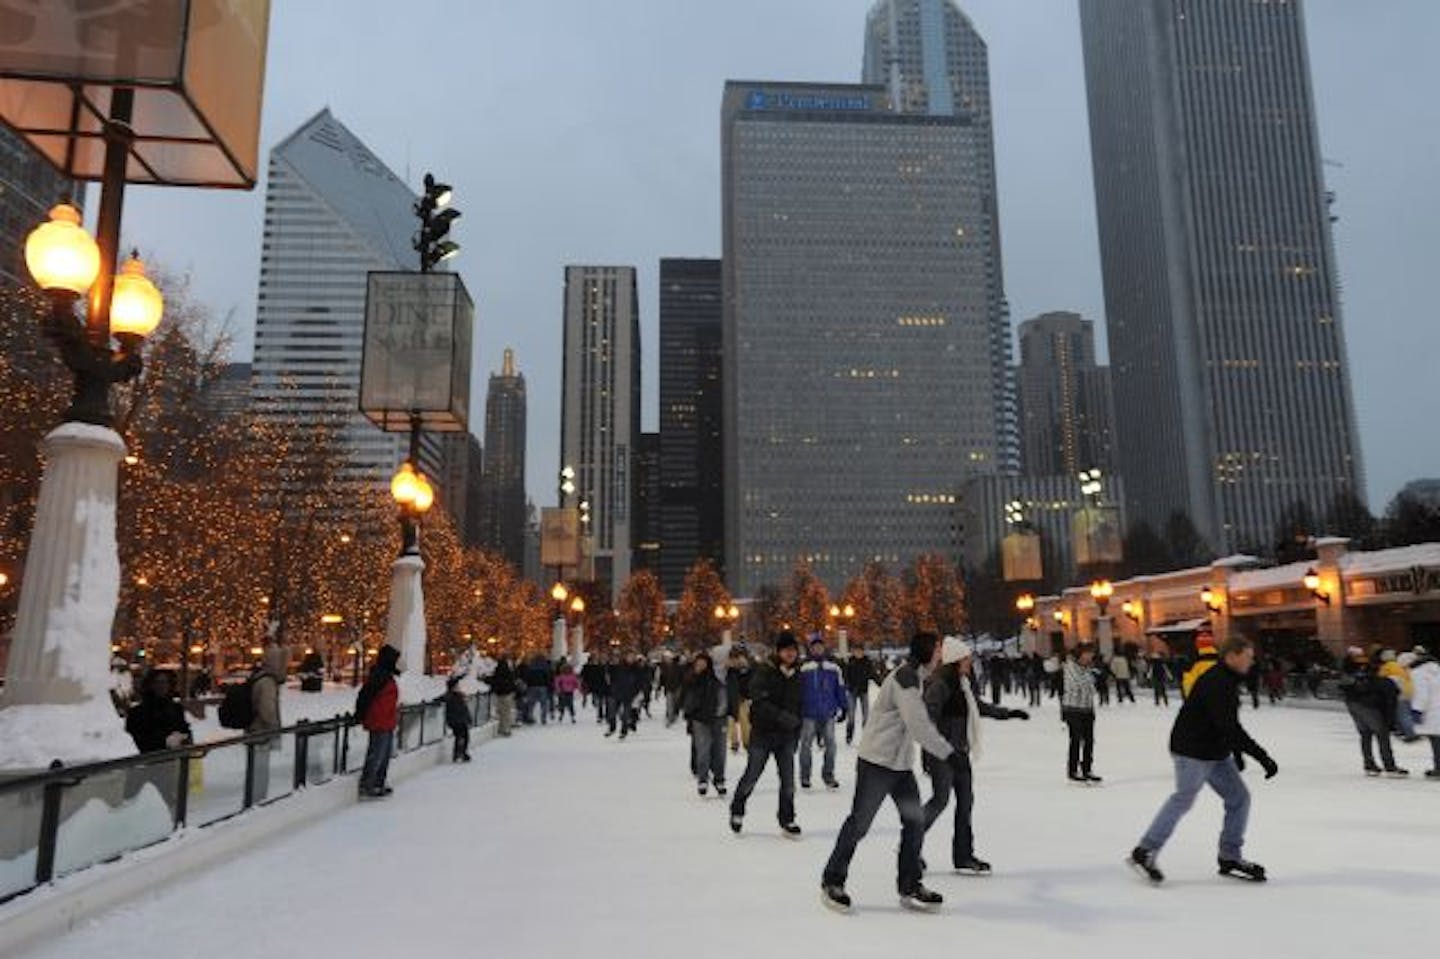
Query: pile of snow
x=32 y=736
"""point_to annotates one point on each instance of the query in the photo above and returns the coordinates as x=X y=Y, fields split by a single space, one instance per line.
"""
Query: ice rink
x=559 y=842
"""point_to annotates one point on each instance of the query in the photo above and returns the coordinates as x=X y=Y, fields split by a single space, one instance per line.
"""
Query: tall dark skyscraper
x=931 y=59
x=1232 y=392
x=692 y=457
x=646 y=526
x=1064 y=398
x=502 y=510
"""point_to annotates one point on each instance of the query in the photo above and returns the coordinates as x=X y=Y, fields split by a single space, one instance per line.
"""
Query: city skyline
x=670 y=193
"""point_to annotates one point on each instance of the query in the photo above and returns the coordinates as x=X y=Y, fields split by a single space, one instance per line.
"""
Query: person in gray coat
x=265 y=702
x=898 y=721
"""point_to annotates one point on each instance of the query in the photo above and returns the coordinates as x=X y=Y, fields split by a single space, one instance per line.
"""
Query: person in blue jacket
x=822 y=702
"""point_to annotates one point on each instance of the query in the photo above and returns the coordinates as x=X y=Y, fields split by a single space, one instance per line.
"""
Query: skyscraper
x=29 y=187
x=333 y=212
x=646 y=524
x=600 y=411
x=1064 y=398
x=691 y=512
x=459 y=483
x=1232 y=395
x=931 y=59
x=858 y=377
x=502 y=522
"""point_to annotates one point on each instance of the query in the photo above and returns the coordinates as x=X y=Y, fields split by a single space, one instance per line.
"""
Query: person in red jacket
x=378 y=709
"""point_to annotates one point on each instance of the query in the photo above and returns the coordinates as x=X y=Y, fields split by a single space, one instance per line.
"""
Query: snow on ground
x=558 y=841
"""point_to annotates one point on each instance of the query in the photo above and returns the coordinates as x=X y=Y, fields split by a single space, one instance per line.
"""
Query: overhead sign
x=1020 y=557
x=809 y=102
x=416 y=360
x=559 y=537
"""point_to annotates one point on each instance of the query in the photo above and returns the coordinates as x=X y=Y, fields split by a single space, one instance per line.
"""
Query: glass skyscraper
x=502 y=514
x=859 y=379
x=1232 y=392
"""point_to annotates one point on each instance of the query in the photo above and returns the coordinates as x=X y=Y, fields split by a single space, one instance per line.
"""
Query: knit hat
x=786 y=640
x=922 y=647
x=1205 y=645
x=954 y=649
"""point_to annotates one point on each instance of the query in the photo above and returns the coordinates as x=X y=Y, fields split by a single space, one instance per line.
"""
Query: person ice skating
x=703 y=705
x=737 y=697
x=822 y=701
x=378 y=709
x=1206 y=745
x=1159 y=680
x=1425 y=680
x=457 y=717
x=566 y=684
x=672 y=680
x=156 y=721
x=265 y=688
x=1120 y=669
x=774 y=731
x=1034 y=677
x=626 y=679
x=1077 y=711
x=1393 y=669
x=859 y=674
x=502 y=686
x=883 y=770
x=955 y=708
x=1370 y=700
x=1206 y=656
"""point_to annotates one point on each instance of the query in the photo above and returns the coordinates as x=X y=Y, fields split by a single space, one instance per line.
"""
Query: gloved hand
x=1018 y=714
x=175 y=740
x=1270 y=766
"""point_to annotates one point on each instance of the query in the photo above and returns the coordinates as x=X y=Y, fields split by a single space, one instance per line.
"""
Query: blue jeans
x=758 y=753
x=873 y=785
x=860 y=701
x=377 y=761
x=824 y=730
x=1223 y=776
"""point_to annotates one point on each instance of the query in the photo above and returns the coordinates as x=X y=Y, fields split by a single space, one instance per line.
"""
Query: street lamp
x=1211 y=599
x=1101 y=591
x=725 y=616
x=1131 y=610
x=414 y=495
x=1312 y=583
x=842 y=615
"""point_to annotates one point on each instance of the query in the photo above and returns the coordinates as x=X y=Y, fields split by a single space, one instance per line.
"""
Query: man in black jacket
x=859 y=674
x=1206 y=744
x=774 y=731
x=157 y=721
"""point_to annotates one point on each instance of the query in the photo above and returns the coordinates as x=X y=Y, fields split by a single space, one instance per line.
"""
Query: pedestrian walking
x=1100 y=669
x=1370 y=699
x=457 y=717
x=1034 y=677
x=883 y=770
x=703 y=706
x=1077 y=711
x=595 y=678
x=1206 y=746
x=822 y=701
x=566 y=685
x=955 y=707
x=859 y=675
x=774 y=732
x=378 y=709
x=1120 y=668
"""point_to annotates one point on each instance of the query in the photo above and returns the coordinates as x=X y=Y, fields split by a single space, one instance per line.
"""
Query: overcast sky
x=587 y=131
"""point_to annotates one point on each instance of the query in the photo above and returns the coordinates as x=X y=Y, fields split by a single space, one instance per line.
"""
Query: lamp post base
x=60 y=650
x=557 y=640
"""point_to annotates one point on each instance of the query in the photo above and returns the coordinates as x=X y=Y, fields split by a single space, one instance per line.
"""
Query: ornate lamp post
x=842 y=616
x=560 y=595
x=577 y=609
x=725 y=616
x=1101 y=591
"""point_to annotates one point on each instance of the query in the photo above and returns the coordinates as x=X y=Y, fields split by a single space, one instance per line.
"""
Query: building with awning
x=1339 y=599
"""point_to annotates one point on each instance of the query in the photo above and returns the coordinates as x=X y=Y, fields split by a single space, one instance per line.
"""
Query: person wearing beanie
x=1077 y=711
x=1370 y=700
x=377 y=707
x=883 y=770
x=457 y=717
x=1206 y=745
x=955 y=707
x=1205 y=659
x=822 y=702
x=774 y=731
x=1394 y=669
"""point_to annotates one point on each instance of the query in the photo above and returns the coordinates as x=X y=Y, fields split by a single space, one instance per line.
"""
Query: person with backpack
x=502 y=686
x=378 y=710
x=264 y=688
x=457 y=717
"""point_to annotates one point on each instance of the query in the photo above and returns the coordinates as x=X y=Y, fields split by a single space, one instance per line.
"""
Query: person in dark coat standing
x=1370 y=699
x=859 y=674
x=378 y=709
x=502 y=686
x=774 y=731
x=457 y=717
x=626 y=678
x=1206 y=745
x=955 y=706
x=703 y=699
x=156 y=721
x=595 y=681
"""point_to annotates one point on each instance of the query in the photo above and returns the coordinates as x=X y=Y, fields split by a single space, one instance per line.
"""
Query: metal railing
x=69 y=818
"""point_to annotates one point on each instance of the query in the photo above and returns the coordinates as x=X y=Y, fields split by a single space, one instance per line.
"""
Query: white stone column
x=405 y=625
x=579 y=635
x=56 y=702
x=1105 y=632
x=842 y=642
x=557 y=639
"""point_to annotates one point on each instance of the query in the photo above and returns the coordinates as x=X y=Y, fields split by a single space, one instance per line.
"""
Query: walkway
x=560 y=843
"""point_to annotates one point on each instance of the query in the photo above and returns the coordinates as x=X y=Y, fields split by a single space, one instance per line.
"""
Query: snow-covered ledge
x=56 y=701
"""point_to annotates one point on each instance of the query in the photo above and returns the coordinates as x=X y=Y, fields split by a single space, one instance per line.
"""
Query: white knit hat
x=954 y=649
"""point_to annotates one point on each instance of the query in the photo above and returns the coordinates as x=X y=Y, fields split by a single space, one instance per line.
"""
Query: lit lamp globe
x=577 y=605
x=559 y=593
x=405 y=485
x=60 y=255
x=424 y=494
x=136 y=305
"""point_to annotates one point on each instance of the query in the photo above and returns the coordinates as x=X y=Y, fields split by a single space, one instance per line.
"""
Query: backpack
x=237 y=709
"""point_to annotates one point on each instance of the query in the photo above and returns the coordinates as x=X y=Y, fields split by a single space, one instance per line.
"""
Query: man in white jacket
x=1425 y=700
x=898 y=721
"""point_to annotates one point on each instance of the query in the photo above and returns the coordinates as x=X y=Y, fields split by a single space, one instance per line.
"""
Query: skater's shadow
x=1046 y=902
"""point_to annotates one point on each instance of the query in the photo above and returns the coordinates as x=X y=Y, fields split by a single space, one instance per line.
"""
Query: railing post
x=249 y=799
x=302 y=749
x=344 y=752
x=49 y=828
x=182 y=790
x=420 y=741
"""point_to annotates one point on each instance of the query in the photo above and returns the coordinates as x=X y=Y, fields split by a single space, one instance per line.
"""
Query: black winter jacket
x=502 y=681
x=152 y=719
x=859 y=674
x=700 y=697
x=595 y=679
x=774 y=702
x=945 y=701
x=1208 y=726
x=457 y=711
